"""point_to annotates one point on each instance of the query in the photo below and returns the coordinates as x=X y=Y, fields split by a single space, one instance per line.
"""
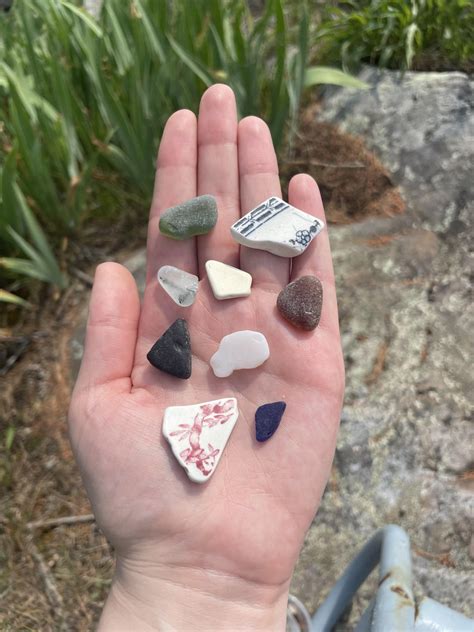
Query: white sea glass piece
x=180 y=285
x=240 y=350
x=227 y=281
x=199 y=433
x=276 y=226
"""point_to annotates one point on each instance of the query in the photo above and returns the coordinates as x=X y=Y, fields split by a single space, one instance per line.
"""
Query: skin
x=219 y=555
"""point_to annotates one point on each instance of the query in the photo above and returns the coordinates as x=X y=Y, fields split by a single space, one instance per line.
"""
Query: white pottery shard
x=227 y=281
x=240 y=350
x=199 y=433
x=278 y=227
x=180 y=285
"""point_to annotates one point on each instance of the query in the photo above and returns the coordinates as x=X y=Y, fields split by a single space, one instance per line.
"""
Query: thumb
x=112 y=326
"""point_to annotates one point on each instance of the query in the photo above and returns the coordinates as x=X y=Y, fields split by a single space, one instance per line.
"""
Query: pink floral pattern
x=209 y=415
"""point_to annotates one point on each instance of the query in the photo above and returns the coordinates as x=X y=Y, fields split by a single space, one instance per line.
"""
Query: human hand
x=219 y=555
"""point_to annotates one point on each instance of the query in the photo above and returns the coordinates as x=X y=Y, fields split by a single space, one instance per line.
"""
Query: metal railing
x=393 y=607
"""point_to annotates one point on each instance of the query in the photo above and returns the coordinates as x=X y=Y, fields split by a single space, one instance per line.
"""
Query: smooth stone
x=300 y=302
x=199 y=433
x=267 y=419
x=227 y=281
x=276 y=226
x=180 y=285
x=240 y=350
x=194 y=217
x=172 y=352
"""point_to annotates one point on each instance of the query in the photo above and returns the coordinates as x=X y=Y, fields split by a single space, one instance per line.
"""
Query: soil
x=56 y=577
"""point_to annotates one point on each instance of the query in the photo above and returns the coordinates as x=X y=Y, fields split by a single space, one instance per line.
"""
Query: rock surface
x=277 y=227
x=301 y=301
x=171 y=353
x=406 y=322
x=197 y=216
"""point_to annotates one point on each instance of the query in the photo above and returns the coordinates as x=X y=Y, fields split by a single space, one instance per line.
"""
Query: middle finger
x=218 y=172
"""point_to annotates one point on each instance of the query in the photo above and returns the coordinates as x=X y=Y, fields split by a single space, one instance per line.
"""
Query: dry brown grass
x=51 y=578
x=353 y=182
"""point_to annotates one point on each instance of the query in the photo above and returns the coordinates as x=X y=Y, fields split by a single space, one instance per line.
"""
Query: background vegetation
x=83 y=101
x=399 y=34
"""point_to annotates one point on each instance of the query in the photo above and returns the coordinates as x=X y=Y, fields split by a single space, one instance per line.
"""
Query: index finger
x=175 y=182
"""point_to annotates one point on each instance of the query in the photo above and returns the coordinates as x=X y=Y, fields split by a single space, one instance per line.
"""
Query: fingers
x=303 y=193
x=259 y=180
x=175 y=182
x=112 y=327
x=218 y=172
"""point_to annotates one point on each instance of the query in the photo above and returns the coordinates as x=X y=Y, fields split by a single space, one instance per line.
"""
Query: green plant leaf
x=191 y=63
x=316 y=75
x=41 y=260
x=21 y=89
x=9 y=297
x=23 y=267
x=83 y=15
x=412 y=32
x=9 y=437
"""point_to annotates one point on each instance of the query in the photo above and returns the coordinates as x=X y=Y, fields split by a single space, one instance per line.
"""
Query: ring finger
x=259 y=180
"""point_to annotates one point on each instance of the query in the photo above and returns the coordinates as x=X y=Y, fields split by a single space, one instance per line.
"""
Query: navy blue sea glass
x=267 y=419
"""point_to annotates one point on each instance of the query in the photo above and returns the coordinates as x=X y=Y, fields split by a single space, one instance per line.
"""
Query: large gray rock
x=405 y=449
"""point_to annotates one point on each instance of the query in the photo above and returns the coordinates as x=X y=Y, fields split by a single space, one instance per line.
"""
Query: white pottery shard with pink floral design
x=199 y=433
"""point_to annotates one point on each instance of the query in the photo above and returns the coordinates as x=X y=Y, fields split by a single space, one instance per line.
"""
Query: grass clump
x=399 y=34
x=83 y=103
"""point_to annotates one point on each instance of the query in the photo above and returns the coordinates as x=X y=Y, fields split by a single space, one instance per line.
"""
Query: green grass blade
x=8 y=297
x=41 y=254
x=24 y=267
x=191 y=63
x=316 y=75
x=20 y=89
x=84 y=16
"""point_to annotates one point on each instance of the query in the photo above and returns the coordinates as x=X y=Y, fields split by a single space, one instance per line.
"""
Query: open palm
x=250 y=518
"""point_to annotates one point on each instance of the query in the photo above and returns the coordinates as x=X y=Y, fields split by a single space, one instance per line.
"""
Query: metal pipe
x=434 y=617
x=393 y=608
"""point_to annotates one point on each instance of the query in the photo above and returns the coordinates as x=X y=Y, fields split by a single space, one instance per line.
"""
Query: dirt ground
x=55 y=566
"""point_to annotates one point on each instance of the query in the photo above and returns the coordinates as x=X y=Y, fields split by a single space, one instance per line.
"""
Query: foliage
x=84 y=101
x=395 y=33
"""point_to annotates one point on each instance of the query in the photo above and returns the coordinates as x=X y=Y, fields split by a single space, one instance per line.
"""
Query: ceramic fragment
x=227 y=281
x=199 y=433
x=278 y=227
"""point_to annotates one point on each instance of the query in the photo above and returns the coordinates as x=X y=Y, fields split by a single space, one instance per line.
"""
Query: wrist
x=177 y=599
